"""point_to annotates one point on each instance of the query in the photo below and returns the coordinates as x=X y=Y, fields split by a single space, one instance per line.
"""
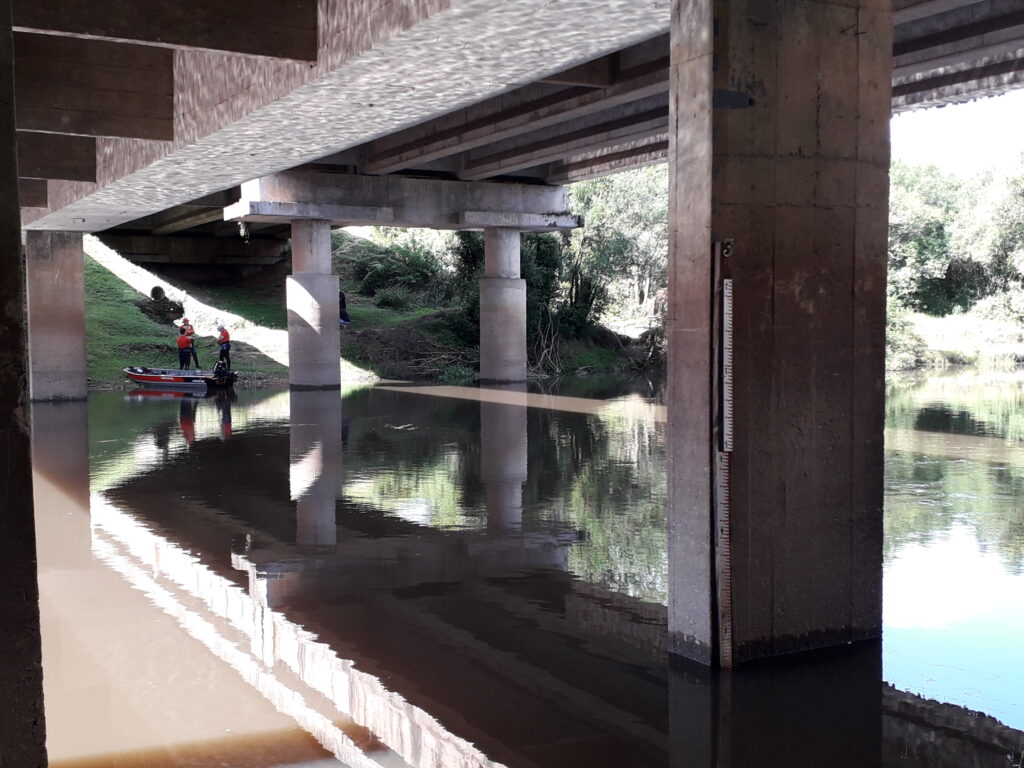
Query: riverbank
x=916 y=341
x=390 y=337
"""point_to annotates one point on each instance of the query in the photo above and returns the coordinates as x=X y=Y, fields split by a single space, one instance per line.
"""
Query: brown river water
x=447 y=577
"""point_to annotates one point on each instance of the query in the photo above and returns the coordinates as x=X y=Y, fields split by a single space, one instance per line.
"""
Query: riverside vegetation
x=596 y=296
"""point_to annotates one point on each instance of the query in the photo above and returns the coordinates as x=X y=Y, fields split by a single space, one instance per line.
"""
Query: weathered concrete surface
x=800 y=181
x=502 y=309
x=313 y=338
x=56 y=314
x=22 y=723
x=401 y=202
x=380 y=67
x=311 y=246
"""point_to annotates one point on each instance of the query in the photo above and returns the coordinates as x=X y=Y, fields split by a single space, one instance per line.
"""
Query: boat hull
x=169 y=378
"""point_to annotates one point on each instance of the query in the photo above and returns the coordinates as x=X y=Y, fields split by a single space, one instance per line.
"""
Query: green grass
x=262 y=305
x=118 y=334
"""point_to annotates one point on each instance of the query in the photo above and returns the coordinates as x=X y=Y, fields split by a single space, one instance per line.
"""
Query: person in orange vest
x=184 y=349
x=224 y=340
x=190 y=332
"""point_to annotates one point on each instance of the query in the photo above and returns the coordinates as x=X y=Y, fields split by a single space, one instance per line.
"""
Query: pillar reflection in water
x=315 y=464
x=503 y=461
x=820 y=709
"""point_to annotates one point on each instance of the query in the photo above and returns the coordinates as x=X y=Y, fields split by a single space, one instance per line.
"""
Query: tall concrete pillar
x=780 y=144
x=503 y=463
x=22 y=726
x=312 y=299
x=315 y=465
x=502 y=309
x=56 y=315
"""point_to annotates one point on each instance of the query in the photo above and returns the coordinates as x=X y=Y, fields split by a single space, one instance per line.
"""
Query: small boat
x=169 y=378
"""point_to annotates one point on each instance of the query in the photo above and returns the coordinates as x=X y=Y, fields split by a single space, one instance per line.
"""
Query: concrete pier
x=56 y=311
x=779 y=551
x=312 y=299
x=502 y=309
x=22 y=727
x=315 y=465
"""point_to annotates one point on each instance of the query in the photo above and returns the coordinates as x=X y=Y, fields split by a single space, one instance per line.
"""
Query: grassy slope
x=391 y=343
x=118 y=334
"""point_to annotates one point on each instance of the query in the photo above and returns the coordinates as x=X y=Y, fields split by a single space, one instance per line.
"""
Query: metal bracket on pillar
x=722 y=419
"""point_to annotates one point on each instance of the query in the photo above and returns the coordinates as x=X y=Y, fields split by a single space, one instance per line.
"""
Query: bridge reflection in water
x=407 y=580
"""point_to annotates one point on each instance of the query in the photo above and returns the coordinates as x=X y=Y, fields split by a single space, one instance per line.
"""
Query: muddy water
x=455 y=577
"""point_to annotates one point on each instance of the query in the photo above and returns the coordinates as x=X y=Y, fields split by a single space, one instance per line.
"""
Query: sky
x=962 y=138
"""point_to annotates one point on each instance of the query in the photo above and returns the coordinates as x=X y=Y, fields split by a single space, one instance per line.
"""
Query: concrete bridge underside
x=778 y=156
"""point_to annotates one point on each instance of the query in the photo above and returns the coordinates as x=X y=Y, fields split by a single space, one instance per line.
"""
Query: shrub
x=394 y=297
x=409 y=267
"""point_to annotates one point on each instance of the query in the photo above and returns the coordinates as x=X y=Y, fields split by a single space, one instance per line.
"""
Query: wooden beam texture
x=32 y=193
x=279 y=28
x=55 y=156
x=93 y=87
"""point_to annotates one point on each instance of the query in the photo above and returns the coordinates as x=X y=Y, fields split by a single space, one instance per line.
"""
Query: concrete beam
x=965 y=37
x=94 y=88
x=278 y=28
x=958 y=85
x=54 y=156
x=533 y=222
x=557 y=144
x=600 y=164
x=338 y=215
x=599 y=73
x=383 y=67
x=169 y=249
x=911 y=10
x=435 y=203
x=32 y=193
x=497 y=120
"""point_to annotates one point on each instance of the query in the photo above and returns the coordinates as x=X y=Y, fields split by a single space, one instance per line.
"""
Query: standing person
x=191 y=333
x=184 y=349
x=224 y=340
x=343 y=318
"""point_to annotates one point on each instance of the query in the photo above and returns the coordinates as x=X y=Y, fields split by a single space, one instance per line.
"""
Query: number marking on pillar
x=723 y=456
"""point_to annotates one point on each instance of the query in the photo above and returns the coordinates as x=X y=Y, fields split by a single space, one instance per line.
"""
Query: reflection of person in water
x=162 y=437
x=223 y=403
x=187 y=420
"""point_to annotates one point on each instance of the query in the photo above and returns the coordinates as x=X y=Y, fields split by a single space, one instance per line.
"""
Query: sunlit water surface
x=443 y=576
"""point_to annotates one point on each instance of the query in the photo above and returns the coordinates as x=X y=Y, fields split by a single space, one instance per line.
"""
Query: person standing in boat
x=191 y=333
x=184 y=349
x=224 y=341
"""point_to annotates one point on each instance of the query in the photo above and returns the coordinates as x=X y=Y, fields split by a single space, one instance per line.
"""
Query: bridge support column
x=503 y=463
x=502 y=309
x=22 y=728
x=781 y=550
x=55 y=266
x=315 y=465
x=312 y=297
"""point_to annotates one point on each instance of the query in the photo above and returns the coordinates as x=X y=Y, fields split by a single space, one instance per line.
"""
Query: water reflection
x=954 y=573
x=406 y=579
